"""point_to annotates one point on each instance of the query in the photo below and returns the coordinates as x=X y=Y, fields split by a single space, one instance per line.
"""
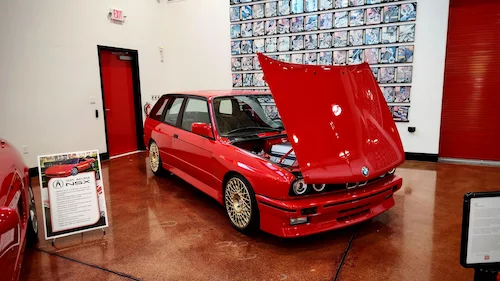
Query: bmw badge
x=365 y=171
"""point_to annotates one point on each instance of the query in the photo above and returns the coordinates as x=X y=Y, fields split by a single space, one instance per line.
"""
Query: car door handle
x=176 y=136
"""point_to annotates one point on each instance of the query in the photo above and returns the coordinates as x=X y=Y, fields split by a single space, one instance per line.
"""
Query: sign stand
x=480 y=235
x=103 y=233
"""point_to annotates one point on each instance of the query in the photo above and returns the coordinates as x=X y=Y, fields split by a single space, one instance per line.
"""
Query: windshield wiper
x=254 y=128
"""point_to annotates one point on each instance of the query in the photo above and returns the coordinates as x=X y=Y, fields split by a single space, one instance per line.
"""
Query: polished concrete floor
x=165 y=229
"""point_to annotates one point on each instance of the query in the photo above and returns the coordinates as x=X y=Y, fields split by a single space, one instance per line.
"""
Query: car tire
x=240 y=204
x=32 y=231
x=74 y=171
x=155 y=163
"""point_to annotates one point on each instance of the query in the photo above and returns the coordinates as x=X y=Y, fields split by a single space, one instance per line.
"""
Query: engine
x=280 y=150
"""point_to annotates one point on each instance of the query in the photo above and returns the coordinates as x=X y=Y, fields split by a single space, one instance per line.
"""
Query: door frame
x=136 y=84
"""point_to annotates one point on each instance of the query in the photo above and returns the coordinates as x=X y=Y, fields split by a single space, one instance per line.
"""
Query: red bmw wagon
x=318 y=152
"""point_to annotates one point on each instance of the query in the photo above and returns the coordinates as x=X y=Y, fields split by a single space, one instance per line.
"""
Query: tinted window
x=173 y=111
x=196 y=111
x=158 y=109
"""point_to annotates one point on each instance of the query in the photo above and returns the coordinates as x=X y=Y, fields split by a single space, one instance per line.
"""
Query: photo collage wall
x=327 y=32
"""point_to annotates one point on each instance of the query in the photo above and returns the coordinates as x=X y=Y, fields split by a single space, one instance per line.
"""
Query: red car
x=332 y=167
x=18 y=222
x=70 y=167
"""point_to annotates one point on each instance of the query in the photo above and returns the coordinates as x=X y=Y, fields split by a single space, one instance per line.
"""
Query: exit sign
x=117 y=15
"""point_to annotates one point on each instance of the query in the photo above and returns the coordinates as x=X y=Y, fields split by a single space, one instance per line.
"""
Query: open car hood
x=336 y=119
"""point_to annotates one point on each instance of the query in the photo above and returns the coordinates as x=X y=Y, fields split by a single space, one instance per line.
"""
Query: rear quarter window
x=159 y=108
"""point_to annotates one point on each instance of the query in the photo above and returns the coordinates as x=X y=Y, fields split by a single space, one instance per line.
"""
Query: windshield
x=237 y=115
x=70 y=161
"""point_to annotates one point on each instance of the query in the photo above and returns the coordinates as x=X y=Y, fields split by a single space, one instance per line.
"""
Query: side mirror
x=9 y=219
x=202 y=129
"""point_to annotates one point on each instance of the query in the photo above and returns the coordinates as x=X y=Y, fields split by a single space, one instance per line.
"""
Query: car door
x=165 y=131
x=194 y=151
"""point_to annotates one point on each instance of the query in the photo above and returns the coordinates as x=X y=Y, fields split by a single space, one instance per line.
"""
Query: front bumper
x=333 y=211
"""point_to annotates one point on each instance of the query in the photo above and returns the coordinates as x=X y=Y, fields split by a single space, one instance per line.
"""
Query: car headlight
x=392 y=171
x=319 y=187
x=299 y=187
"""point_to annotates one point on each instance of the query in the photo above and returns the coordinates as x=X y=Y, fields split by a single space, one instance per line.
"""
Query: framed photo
x=284 y=44
x=341 y=4
x=297 y=6
x=271 y=9
x=246 y=46
x=357 y=17
x=271 y=27
x=297 y=58
x=341 y=19
x=271 y=44
x=311 y=23
x=389 y=34
x=372 y=36
x=374 y=15
x=283 y=7
x=297 y=43
x=246 y=29
x=311 y=6
x=258 y=46
x=234 y=2
x=237 y=80
x=311 y=41
x=247 y=79
x=283 y=26
x=258 y=28
x=246 y=63
x=408 y=12
x=356 y=37
x=407 y=33
x=235 y=31
x=391 y=14
x=402 y=94
x=387 y=75
x=355 y=56
x=400 y=113
x=405 y=54
x=325 y=4
x=311 y=58
x=245 y=1
x=258 y=11
x=246 y=12
x=325 y=58
x=340 y=39
x=325 y=40
x=285 y=58
x=355 y=3
x=404 y=74
x=339 y=57
x=235 y=64
x=297 y=24
x=258 y=80
x=235 y=47
x=388 y=55
x=234 y=13
x=388 y=93
x=375 y=72
x=369 y=2
x=256 y=62
x=371 y=55
x=326 y=21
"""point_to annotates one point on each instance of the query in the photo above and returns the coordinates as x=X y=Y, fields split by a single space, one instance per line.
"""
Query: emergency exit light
x=116 y=15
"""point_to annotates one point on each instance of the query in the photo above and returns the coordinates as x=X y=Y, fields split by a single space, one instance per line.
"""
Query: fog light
x=299 y=187
x=296 y=221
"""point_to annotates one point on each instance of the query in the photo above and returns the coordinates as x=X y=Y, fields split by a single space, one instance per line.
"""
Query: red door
x=119 y=102
x=471 y=100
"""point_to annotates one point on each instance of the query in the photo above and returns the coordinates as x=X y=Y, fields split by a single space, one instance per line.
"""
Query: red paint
x=14 y=182
x=65 y=170
x=469 y=126
x=119 y=103
x=365 y=128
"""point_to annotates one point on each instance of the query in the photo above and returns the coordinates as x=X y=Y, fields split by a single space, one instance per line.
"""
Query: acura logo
x=365 y=171
x=57 y=184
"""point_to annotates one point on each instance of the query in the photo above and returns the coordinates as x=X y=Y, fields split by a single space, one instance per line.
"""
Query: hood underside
x=337 y=120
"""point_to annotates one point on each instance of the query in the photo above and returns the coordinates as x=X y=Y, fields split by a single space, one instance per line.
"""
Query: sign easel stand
x=103 y=233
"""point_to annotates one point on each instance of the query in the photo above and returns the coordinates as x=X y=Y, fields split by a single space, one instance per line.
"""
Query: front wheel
x=241 y=206
x=74 y=171
x=154 y=159
x=32 y=231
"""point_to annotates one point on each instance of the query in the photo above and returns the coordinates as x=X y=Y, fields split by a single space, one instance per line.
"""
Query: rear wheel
x=241 y=206
x=32 y=231
x=154 y=159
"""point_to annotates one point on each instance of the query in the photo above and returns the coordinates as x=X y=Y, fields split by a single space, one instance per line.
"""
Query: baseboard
x=427 y=157
x=34 y=171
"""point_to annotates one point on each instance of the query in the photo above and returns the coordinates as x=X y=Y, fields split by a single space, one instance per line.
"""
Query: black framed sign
x=480 y=247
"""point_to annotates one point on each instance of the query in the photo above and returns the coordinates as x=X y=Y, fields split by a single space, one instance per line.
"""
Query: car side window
x=158 y=109
x=196 y=111
x=173 y=111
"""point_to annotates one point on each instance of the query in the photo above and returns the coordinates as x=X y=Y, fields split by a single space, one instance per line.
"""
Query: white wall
x=49 y=68
x=200 y=41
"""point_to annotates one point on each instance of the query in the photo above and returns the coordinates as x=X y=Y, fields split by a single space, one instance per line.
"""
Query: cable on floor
x=346 y=251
